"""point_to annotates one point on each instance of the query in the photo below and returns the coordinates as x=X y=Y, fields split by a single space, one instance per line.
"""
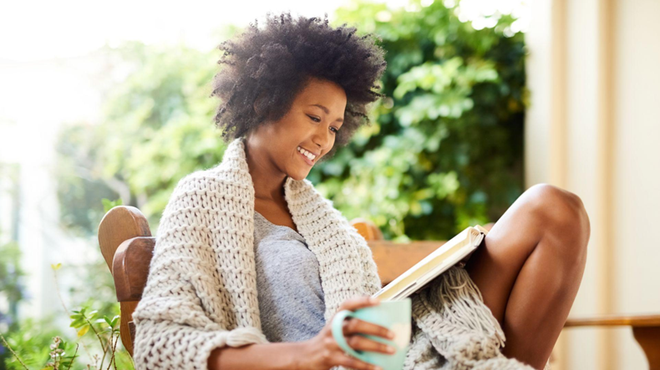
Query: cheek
x=293 y=130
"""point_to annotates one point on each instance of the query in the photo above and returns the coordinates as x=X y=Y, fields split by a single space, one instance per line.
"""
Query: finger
x=353 y=363
x=358 y=302
x=355 y=326
x=360 y=343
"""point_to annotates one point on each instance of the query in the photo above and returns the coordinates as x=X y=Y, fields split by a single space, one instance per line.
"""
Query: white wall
x=594 y=128
x=637 y=163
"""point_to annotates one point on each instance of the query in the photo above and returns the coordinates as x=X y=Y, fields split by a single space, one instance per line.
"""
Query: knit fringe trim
x=461 y=328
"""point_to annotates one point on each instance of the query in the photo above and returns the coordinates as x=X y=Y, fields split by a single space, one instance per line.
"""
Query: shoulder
x=231 y=177
x=212 y=192
x=193 y=181
x=193 y=209
x=191 y=192
x=216 y=179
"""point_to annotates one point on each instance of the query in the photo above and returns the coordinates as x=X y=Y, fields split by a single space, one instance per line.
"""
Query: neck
x=268 y=181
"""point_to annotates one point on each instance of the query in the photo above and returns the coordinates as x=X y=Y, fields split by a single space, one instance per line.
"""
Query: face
x=294 y=144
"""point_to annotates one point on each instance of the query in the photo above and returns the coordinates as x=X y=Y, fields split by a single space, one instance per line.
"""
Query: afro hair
x=266 y=69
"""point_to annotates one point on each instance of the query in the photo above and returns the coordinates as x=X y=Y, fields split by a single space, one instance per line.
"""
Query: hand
x=322 y=352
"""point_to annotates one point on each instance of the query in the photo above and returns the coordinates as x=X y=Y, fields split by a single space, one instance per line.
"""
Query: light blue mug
x=394 y=315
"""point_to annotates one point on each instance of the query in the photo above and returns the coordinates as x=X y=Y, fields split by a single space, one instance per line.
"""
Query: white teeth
x=306 y=154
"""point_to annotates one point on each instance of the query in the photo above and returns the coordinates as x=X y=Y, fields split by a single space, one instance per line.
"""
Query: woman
x=292 y=93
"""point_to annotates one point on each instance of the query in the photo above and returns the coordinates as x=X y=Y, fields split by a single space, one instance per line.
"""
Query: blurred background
x=108 y=104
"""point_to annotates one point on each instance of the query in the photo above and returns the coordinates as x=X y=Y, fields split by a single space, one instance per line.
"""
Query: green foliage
x=12 y=291
x=40 y=345
x=79 y=183
x=97 y=292
x=105 y=329
x=445 y=148
x=110 y=204
x=11 y=274
x=157 y=128
x=31 y=342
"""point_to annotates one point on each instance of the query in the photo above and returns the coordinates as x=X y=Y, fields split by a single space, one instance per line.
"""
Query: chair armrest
x=645 y=328
x=615 y=320
x=130 y=267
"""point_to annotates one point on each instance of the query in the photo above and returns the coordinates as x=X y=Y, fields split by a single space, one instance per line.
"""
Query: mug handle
x=338 y=332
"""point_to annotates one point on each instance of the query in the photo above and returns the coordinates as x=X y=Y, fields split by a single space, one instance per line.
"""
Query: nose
x=323 y=137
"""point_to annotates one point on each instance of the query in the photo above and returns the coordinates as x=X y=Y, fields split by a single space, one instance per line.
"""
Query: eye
x=316 y=119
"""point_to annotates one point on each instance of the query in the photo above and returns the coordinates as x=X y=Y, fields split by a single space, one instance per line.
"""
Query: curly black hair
x=271 y=66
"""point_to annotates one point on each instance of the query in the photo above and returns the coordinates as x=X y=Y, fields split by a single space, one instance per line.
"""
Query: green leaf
x=77 y=323
x=83 y=330
x=109 y=204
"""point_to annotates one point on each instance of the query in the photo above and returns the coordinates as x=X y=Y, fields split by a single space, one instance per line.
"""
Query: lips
x=316 y=154
x=310 y=163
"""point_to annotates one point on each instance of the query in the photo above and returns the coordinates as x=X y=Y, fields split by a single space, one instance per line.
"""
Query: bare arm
x=270 y=356
x=319 y=353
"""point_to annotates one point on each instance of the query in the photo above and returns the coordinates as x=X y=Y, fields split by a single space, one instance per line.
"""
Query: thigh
x=495 y=265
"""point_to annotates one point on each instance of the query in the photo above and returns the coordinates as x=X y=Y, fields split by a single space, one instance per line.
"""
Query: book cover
x=455 y=250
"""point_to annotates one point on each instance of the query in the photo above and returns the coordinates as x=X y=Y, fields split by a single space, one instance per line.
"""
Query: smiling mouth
x=306 y=155
x=307 y=160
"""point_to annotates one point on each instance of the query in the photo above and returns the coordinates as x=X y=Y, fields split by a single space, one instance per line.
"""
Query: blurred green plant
x=40 y=345
x=156 y=128
x=11 y=280
x=444 y=150
x=30 y=341
x=12 y=290
x=109 y=204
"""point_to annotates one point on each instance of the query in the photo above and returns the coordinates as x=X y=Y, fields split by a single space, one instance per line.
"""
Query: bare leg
x=529 y=269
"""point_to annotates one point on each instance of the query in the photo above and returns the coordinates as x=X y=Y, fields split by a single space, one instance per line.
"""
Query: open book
x=456 y=250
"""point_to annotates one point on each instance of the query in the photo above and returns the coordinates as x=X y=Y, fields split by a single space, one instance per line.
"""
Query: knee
x=562 y=212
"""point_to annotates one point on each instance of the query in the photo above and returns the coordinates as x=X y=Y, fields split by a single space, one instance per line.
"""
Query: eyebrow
x=326 y=110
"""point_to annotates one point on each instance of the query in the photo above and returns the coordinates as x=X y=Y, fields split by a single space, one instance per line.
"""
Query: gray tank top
x=291 y=299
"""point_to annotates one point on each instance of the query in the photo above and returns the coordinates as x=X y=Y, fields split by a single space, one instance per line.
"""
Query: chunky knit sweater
x=201 y=292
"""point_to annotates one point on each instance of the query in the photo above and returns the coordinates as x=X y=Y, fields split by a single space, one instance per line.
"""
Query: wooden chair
x=127 y=246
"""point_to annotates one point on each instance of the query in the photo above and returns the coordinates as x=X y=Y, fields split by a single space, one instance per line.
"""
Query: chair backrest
x=127 y=246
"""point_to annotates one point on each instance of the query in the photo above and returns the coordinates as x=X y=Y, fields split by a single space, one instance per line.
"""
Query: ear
x=259 y=103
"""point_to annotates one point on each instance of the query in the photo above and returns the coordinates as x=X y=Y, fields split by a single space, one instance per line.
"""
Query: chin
x=298 y=176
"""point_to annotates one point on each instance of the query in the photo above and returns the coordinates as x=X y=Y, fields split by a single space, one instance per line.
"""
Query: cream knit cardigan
x=201 y=292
